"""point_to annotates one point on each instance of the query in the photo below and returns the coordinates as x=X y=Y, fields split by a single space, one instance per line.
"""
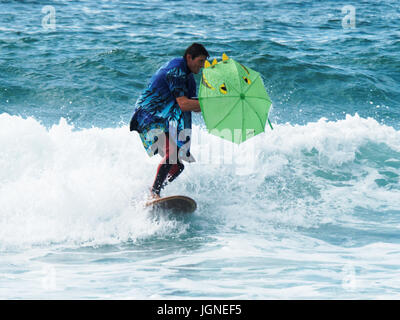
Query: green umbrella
x=233 y=100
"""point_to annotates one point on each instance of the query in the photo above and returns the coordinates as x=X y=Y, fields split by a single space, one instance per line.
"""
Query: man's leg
x=175 y=171
x=166 y=169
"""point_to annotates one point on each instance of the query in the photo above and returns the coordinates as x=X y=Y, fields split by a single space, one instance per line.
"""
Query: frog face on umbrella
x=222 y=86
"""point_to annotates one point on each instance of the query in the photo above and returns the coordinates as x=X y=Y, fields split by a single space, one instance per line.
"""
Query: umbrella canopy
x=233 y=100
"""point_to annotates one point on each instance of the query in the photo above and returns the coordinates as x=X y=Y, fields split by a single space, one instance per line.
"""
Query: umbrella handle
x=270 y=124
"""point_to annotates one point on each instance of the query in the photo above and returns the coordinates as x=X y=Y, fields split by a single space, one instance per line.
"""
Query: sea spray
x=61 y=184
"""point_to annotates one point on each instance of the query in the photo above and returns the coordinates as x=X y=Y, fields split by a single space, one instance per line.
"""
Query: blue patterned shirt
x=157 y=108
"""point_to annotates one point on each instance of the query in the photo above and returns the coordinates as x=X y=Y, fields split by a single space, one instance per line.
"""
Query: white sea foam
x=87 y=186
x=61 y=185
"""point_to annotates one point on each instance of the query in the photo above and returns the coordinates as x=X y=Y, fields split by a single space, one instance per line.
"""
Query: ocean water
x=309 y=210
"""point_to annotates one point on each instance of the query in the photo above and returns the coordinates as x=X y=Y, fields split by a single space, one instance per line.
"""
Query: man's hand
x=187 y=104
x=197 y=109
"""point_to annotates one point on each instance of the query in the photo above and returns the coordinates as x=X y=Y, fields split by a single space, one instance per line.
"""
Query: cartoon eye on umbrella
x=232 y=97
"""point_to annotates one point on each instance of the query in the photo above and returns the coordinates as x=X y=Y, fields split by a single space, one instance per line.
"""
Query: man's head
x=195 y=56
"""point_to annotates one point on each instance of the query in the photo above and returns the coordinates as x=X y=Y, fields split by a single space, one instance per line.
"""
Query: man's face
x=195 y=64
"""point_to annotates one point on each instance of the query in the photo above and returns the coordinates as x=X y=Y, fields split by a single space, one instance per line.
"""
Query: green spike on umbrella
x=233 y=100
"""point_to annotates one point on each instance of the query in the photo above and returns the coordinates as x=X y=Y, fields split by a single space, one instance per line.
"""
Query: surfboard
x=175 y=204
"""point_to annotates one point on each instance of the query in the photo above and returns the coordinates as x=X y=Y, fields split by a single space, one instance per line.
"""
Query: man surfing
x=163 y=114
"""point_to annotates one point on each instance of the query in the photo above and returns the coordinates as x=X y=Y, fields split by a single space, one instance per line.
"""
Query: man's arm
x=187 y=104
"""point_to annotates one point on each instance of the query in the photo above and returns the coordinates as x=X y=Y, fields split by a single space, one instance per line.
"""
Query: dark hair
x=195 y=50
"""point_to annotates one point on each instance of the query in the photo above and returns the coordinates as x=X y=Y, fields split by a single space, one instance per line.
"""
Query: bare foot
x=154 y=196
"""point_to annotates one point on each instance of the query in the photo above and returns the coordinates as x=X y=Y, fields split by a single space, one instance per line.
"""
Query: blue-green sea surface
x=309 y=210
